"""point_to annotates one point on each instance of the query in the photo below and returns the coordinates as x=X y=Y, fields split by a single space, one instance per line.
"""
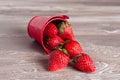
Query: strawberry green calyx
x=66 y=41
x=60 y=46
x=61 y=27
x=65 y=51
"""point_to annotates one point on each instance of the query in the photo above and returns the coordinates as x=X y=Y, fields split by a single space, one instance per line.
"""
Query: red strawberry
x=57 y=60
x=84 y=63
x=65 y=31
x=53 y=42
x=50 y=30
x=73 y=48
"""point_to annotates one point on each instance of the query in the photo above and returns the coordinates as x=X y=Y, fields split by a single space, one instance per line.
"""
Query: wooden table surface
x=96 y=25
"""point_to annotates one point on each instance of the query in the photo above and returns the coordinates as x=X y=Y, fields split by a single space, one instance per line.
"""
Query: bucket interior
x=56 y=22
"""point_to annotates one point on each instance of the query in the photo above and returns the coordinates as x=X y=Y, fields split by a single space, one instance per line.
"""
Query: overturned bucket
x=37 y=25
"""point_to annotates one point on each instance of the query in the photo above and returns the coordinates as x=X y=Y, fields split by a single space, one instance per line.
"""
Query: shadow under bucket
x=37 y=25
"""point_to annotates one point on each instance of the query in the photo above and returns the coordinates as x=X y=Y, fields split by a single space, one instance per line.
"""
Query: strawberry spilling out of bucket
x=56 y=36
x=58 y=60
x=65 y=31
x=65 y=49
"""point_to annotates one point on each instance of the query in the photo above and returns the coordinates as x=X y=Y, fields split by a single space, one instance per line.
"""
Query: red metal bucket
x=37 y=25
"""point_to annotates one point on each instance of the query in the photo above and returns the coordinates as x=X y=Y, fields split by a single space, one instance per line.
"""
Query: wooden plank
x=95 y=23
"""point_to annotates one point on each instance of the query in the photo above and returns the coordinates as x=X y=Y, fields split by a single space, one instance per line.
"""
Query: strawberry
x=53 y=42
x=58 y=59
x=73 y=48
x=84 y=63
x=50 y=30
x=65 y=31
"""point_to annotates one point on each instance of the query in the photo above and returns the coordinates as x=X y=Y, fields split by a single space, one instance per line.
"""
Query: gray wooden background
x=96 y=25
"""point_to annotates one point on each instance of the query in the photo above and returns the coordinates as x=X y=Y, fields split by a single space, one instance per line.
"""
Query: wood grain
x=96 y=25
